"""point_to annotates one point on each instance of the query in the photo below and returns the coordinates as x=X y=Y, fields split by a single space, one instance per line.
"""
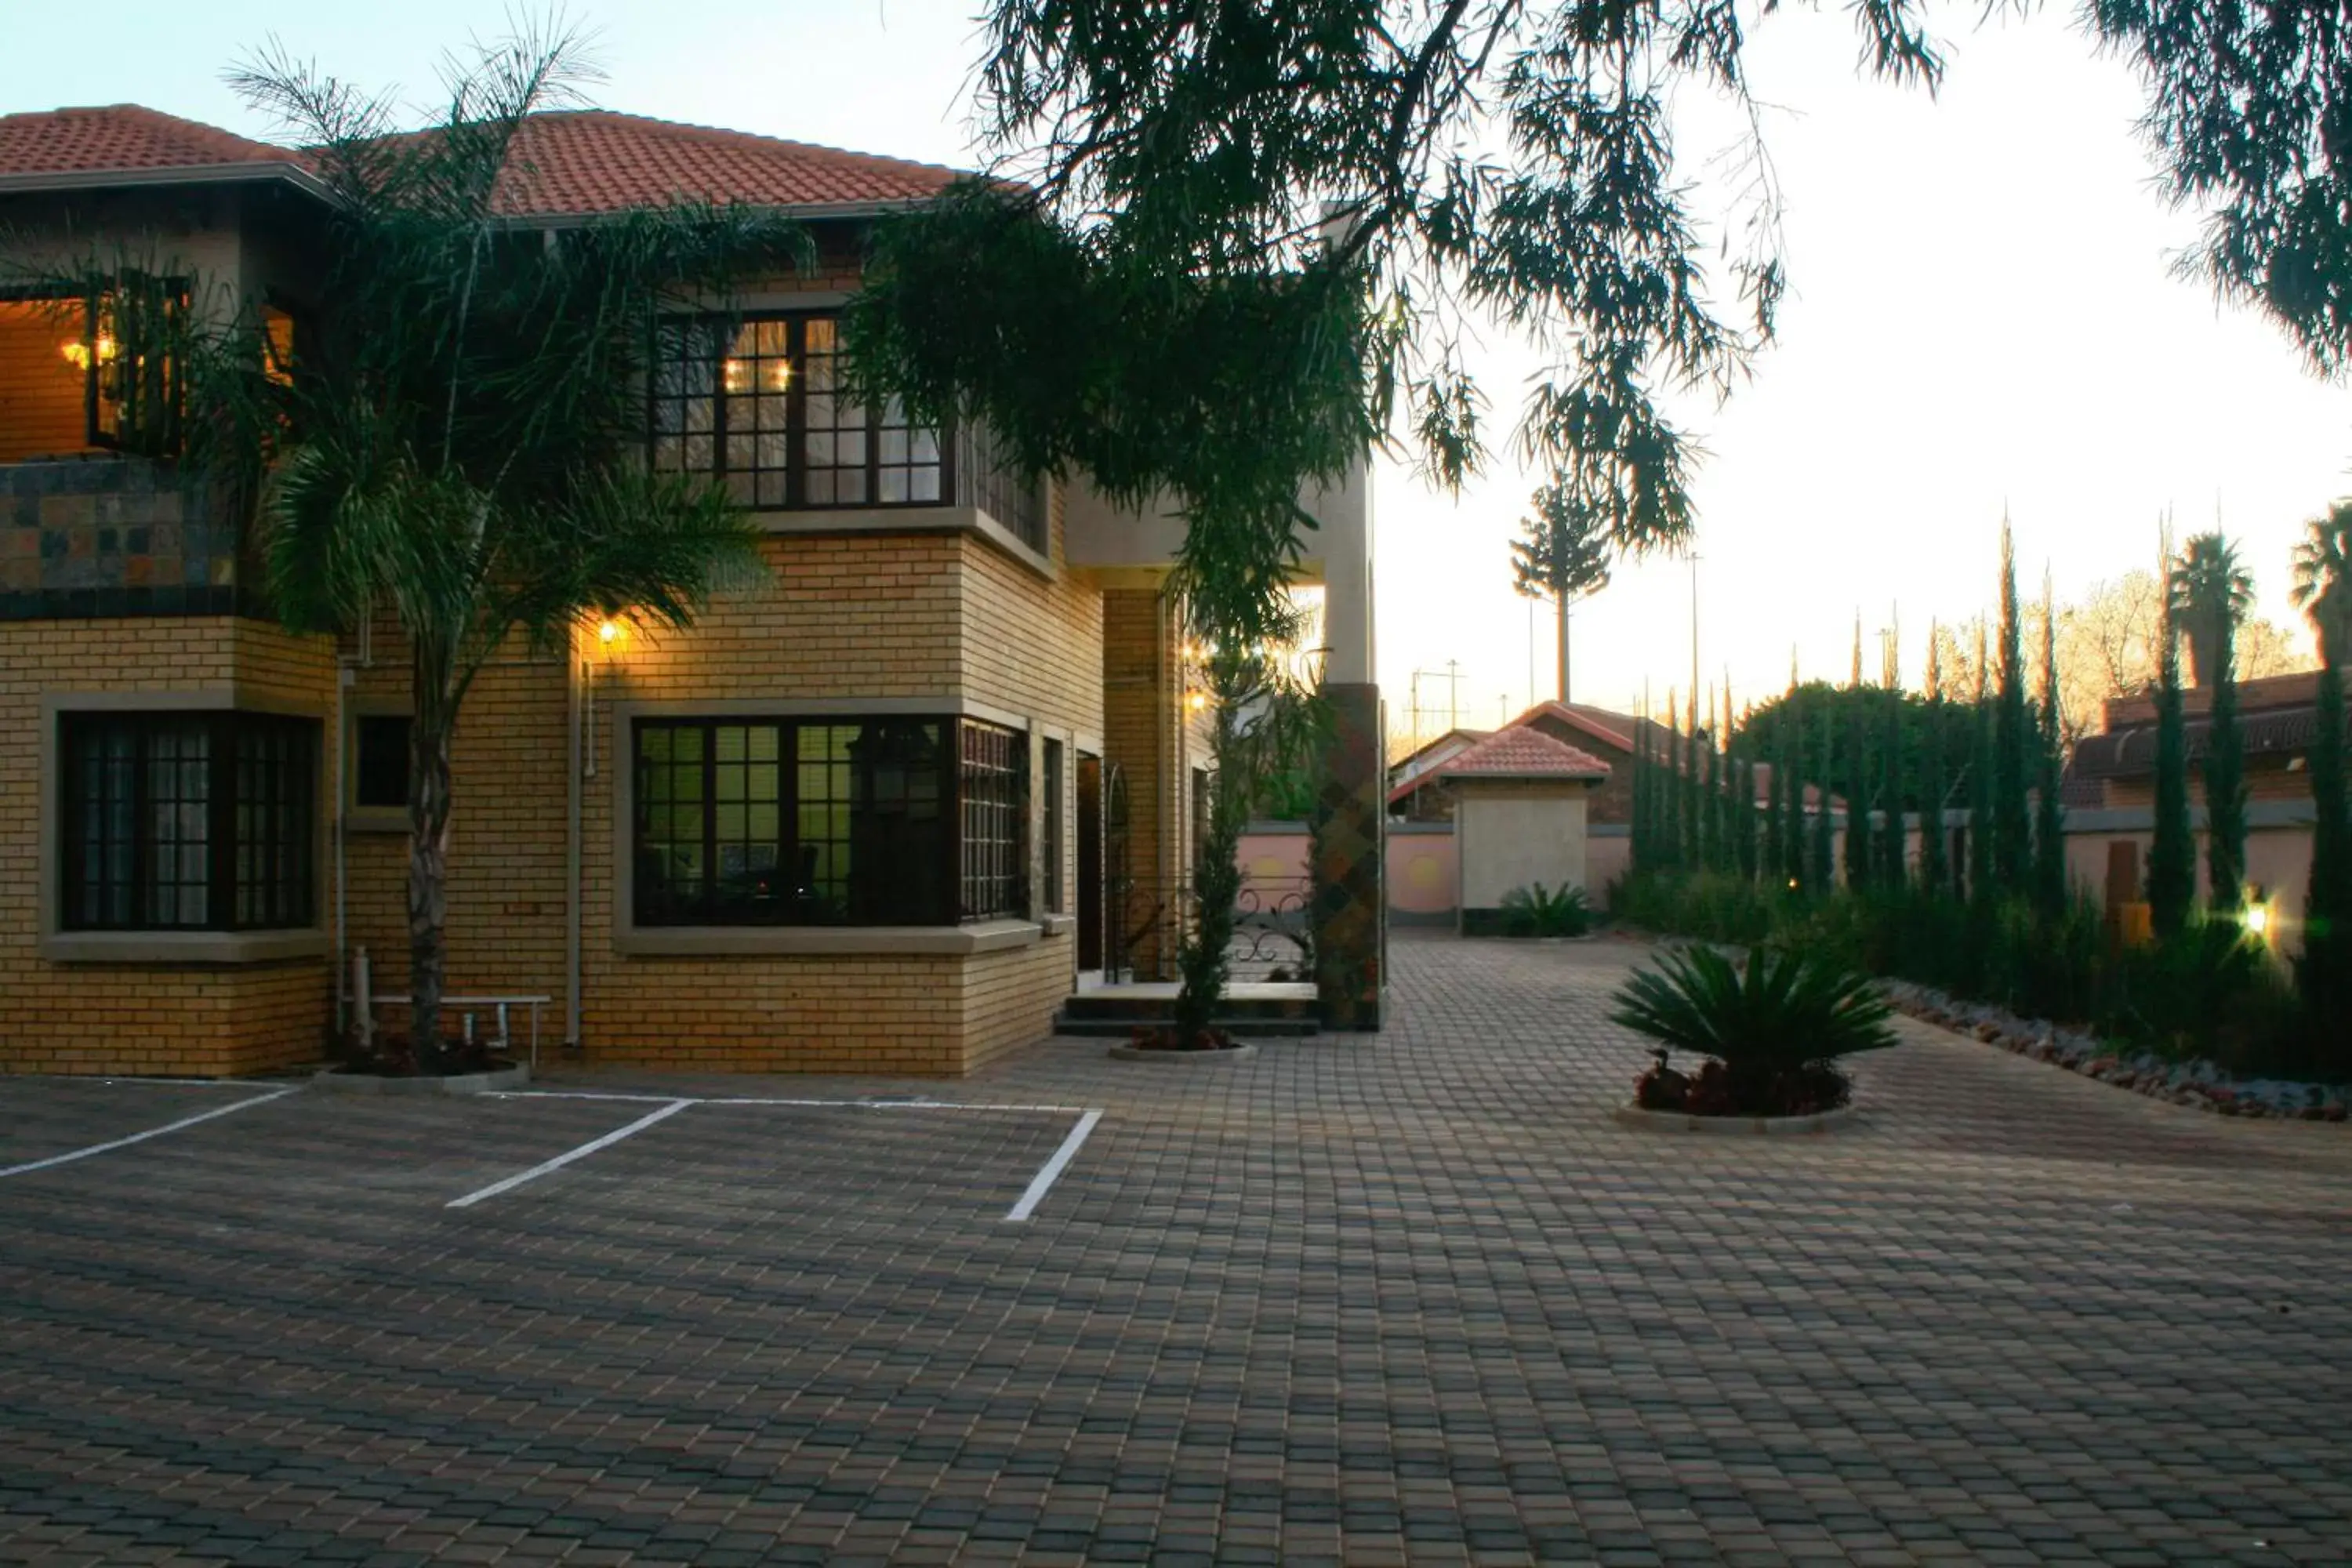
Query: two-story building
x=879 y=814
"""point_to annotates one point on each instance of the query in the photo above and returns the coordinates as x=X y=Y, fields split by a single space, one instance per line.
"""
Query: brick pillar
x=1351 y=856
x=1138 y=712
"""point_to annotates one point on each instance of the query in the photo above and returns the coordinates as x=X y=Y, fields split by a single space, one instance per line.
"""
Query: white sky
x=1982 y=314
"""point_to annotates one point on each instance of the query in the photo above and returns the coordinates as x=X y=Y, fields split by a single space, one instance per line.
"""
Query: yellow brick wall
x=851 y=617
x=506 y=891
x=191 y=1019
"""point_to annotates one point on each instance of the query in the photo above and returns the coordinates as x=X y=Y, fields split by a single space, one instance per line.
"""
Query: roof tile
x=119 y=138
x=1524 y=754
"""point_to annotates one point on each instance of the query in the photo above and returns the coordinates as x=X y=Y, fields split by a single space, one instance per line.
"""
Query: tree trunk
x=1563 y=649
x=429 y=735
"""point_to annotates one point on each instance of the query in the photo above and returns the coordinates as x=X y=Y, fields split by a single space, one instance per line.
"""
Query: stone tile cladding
x=105 y=537
x=208 y=1020
x=1350 y=855
x=1410 y=1298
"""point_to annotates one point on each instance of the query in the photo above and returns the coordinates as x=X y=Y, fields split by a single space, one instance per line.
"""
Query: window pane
x=993 y=779
x=379 y=760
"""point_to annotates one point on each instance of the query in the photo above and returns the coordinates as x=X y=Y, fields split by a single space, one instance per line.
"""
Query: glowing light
x=1196 y=700
x=78 y=354
x=2258 y=920
x=608 y=633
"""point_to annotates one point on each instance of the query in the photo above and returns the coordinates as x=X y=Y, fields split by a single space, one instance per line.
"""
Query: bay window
x=817 y=822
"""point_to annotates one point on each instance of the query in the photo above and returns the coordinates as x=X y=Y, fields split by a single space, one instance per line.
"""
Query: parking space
x=1371 y=1300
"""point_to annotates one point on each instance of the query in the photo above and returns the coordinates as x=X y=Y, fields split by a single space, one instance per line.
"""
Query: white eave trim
x=254 y=172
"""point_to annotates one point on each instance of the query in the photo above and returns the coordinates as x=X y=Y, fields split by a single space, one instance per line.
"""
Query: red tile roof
x=1524 y=754
x=119 y=138
x=581 y=162
x=571 y=163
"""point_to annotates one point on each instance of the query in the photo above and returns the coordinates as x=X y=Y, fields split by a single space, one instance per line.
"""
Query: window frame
x=722 y=325
x=225 y=799
x=1053 y=828
x=948 y=892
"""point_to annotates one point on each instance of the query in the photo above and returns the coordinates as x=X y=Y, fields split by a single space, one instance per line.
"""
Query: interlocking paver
x=1409 y=1297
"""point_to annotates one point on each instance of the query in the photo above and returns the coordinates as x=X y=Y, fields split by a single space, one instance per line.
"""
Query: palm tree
x=1562 y=555
x=2323 y=581
x=2208 y=592
x=457 y=443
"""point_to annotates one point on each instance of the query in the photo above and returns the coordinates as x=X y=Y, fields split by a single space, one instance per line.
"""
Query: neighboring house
x=1520 y=799
x=1606 y=737
x=1413 y=792
x=2116 y=766
x=877 y=815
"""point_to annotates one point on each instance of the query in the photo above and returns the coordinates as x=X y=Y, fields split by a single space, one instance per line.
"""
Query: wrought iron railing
x=985 y=479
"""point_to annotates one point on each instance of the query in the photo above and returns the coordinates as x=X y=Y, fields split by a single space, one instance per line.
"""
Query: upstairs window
x=758 y=403
x=828 y=822
x=187 y=821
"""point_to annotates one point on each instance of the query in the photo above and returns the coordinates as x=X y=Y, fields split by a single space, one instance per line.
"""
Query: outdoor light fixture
x=2258 y=920
x=78 y=353
x=1196 y=700
x=608 y=633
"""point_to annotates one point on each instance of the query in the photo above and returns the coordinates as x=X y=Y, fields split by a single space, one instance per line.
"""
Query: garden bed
x=1171 y=1055
x=2197 y=1082
x=1732 y=1126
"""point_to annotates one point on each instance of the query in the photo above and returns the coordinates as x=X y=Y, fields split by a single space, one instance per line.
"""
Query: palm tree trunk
x=428 y=856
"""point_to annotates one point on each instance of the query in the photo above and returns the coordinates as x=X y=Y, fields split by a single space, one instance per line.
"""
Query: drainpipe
x=346 y=673
x=576 y=761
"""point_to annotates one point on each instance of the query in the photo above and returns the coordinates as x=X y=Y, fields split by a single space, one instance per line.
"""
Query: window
x=380 y=761
x=187 y=821
x=759 y=402
x=1053 y=834
x=828 y=822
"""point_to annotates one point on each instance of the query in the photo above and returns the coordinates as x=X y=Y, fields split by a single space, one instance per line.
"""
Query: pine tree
x=1933 y=874
x=1818 y=872
x=2011 y=834
x=2172 y=856
x=2225 y=780
x=2050 y=814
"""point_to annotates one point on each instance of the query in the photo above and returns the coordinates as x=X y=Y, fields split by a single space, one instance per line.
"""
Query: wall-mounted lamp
x=608 y=632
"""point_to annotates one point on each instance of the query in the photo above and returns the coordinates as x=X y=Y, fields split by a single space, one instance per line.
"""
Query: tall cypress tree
x=2225 y=778
x=1891 y=845
x=1669 y=800
x=1639 y=762
x=1818 y=872
x=2050 y=812
x=1744 y=817
x=2012 y=849
x=2325 y=972
x=2172 y=856
x=1932 y=875
x=1792 y=800
x=1981 y=770
x=1688 y=793
x=1710 y=806
x=1773 y=863
x=1857 y=800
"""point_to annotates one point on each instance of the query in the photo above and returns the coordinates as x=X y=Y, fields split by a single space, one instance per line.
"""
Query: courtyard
x=1411 y=1297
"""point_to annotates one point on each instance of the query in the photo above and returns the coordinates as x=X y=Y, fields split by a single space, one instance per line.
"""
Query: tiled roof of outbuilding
x=1520 y=753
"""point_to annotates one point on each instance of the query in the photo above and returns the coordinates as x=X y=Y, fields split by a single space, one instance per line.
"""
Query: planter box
x=1180 y=1058
x=336 y=1082
x=1732 y=1126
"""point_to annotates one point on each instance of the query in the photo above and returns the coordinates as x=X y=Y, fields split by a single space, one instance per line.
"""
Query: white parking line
x=756 y=1099
x=1051 y=1172
x=581 y=1152
x=143 y=1137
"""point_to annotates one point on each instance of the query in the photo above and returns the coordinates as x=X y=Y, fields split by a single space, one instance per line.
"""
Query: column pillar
x=1349 y=848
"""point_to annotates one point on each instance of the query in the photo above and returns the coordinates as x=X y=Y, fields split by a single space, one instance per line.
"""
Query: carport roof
x=1524 y=754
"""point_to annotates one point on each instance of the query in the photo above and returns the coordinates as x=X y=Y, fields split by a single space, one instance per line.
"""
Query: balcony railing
x=984 y=480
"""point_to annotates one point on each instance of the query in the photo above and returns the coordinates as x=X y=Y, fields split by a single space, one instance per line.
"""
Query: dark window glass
x=379 y=760
x=758 y=402
x=995 y=802
x=194 y=822
x=781 y=823
x=1052 y=827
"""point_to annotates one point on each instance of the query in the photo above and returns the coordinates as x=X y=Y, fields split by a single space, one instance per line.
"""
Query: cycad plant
x=459 y=442
x=1776 y=1024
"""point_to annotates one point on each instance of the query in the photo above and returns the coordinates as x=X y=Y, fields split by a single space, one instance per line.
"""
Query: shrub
x=1532 y=911
x=1776 y=1025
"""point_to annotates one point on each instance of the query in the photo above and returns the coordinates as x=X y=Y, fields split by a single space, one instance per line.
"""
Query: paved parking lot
x=1410 y=1297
